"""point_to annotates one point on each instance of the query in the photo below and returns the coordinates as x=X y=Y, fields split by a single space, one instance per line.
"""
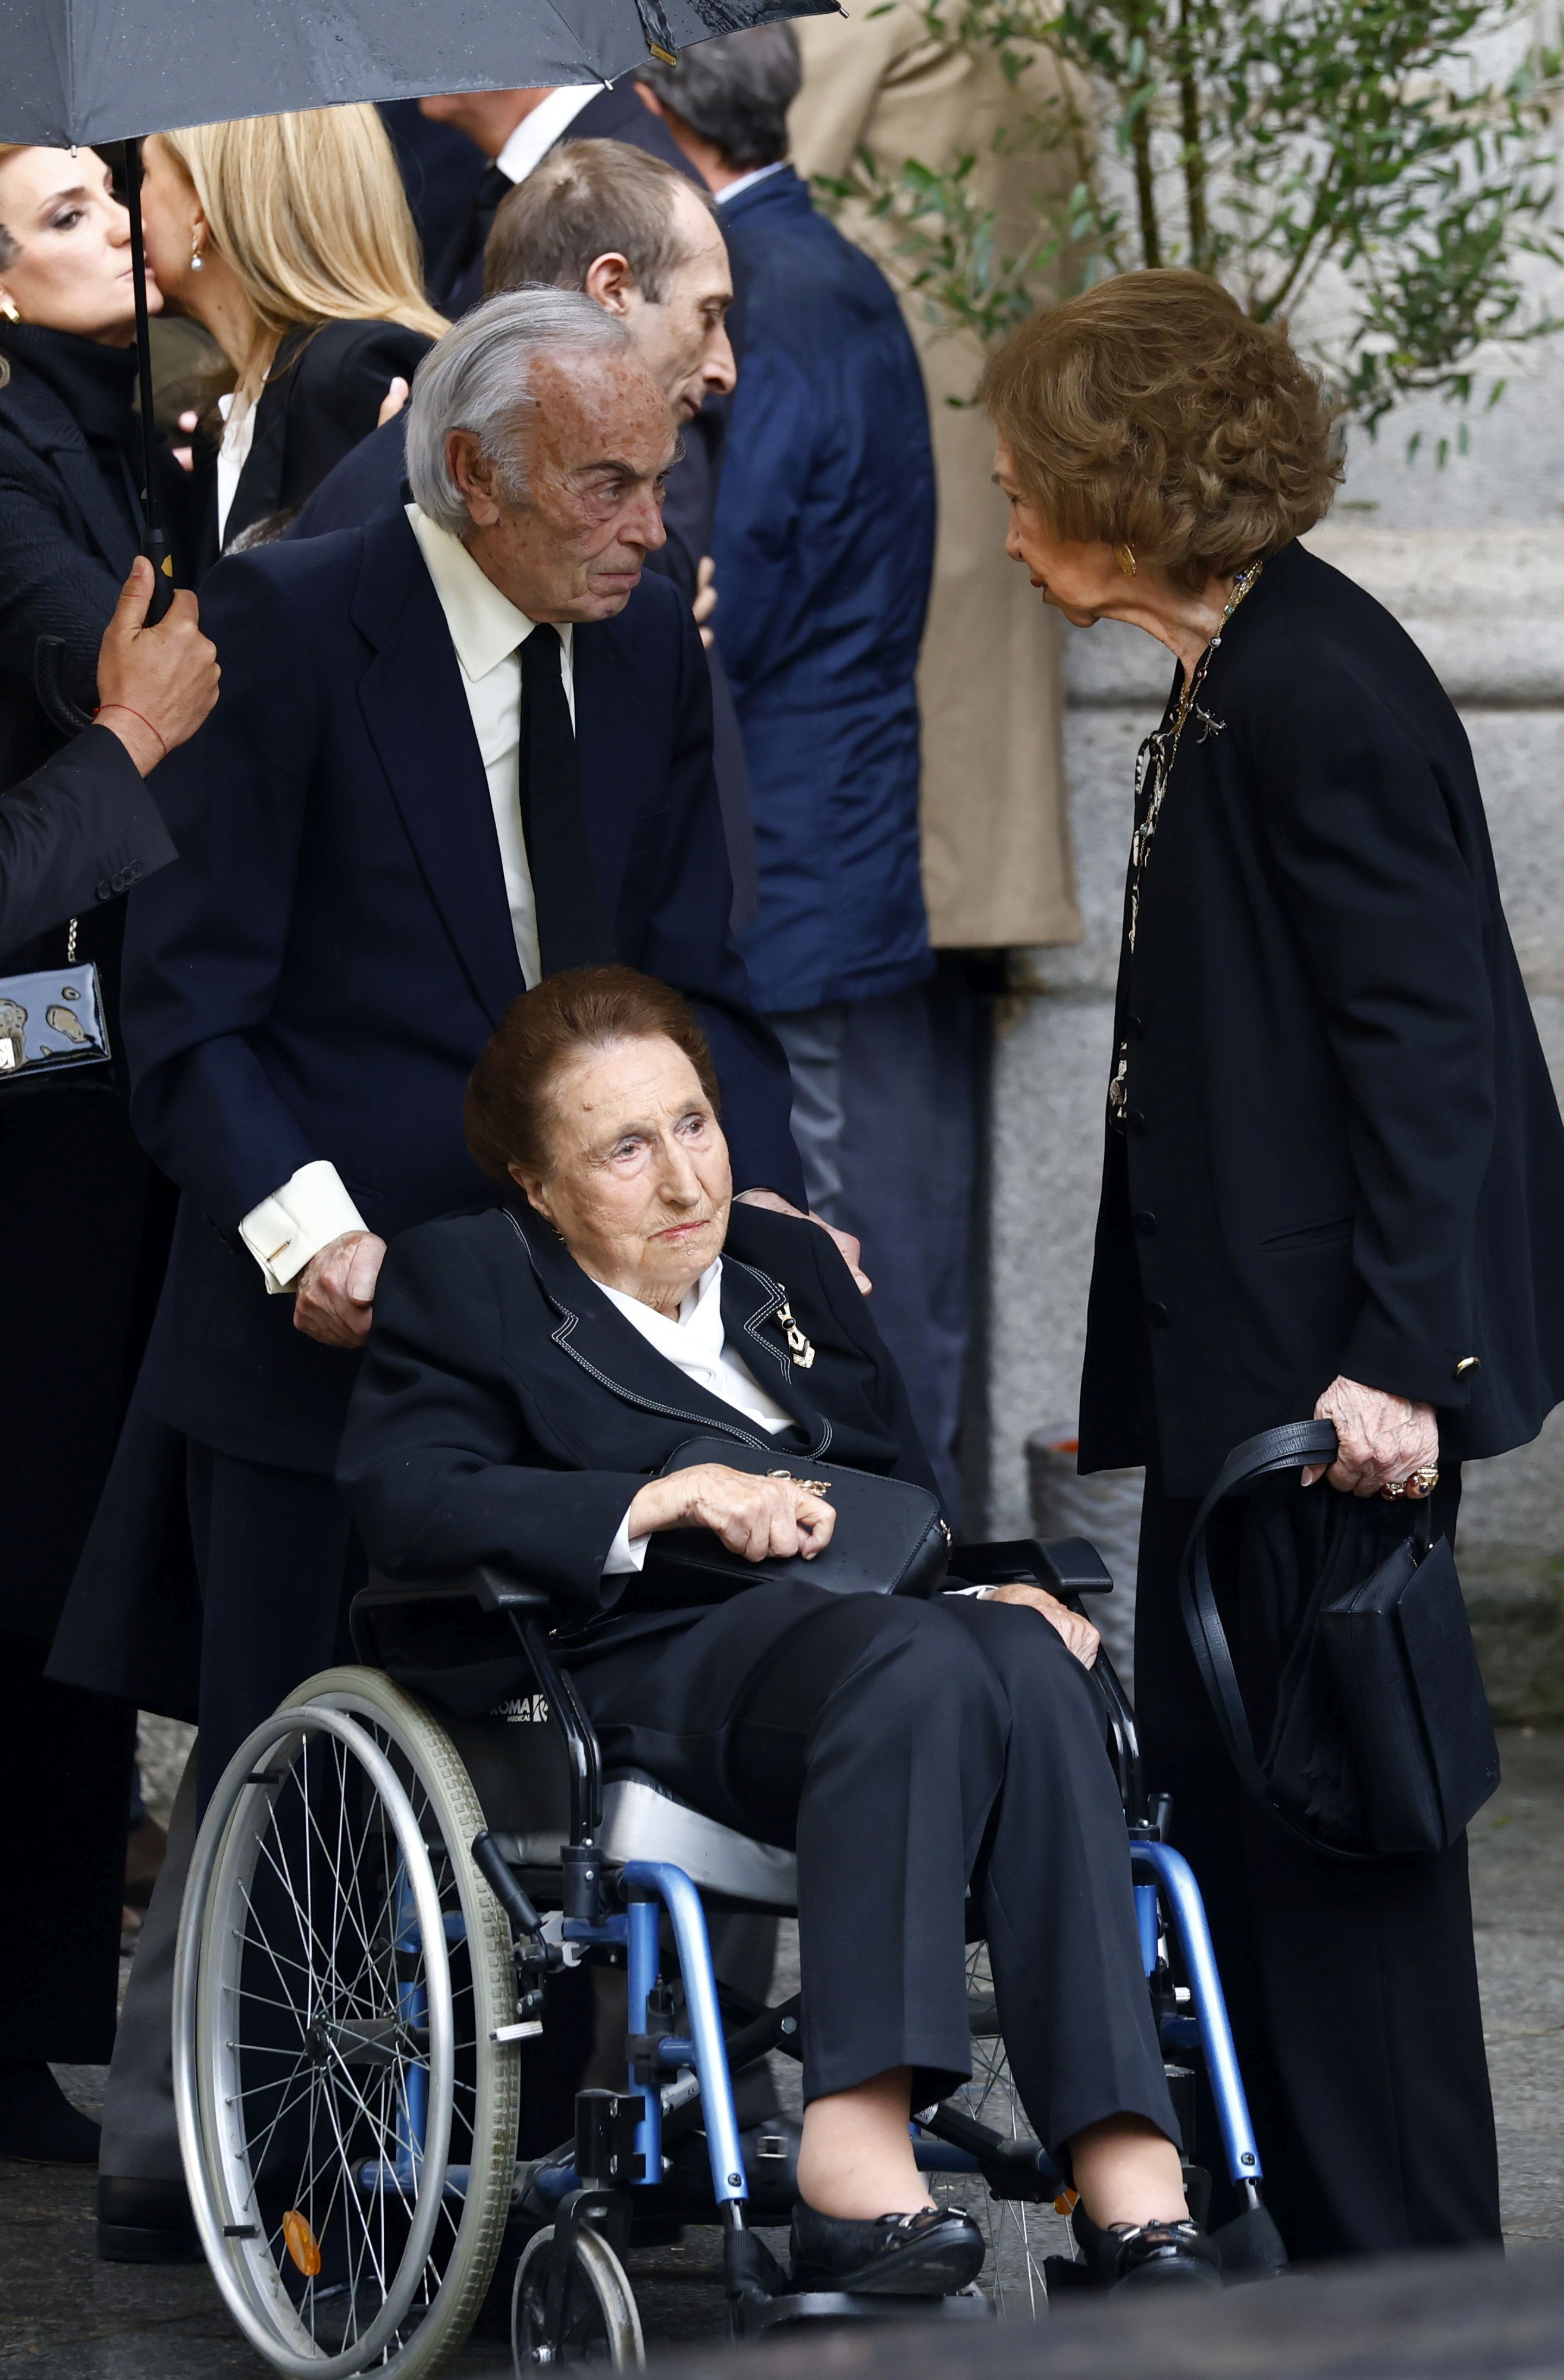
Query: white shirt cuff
x=310 y=1210
x=626 y=1553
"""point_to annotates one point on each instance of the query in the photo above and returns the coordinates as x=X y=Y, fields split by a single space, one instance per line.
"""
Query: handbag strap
x=1290 y=1447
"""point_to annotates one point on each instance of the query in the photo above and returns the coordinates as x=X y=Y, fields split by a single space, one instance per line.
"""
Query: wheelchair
x=393 y=1869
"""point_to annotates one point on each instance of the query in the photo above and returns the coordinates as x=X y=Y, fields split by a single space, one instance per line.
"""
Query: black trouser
x=909 y=1751
x=86 y=1233
x=1353 y=1990
x=64 y=1784
x=278 y=1565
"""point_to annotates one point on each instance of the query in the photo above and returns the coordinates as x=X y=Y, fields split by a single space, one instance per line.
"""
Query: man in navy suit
x=514 y=129
x=462 y=747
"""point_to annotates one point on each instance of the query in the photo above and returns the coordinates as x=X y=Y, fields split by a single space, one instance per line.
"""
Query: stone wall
x=1487 y=604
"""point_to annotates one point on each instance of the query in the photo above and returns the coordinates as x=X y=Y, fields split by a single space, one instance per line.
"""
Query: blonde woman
x=290 y=238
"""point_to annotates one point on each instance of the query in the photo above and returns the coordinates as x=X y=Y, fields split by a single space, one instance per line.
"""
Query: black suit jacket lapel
x=415 y=707
x=751 y=1300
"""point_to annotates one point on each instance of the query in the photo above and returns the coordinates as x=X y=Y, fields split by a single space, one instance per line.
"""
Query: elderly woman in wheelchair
x=628 y=1394
x=532 y=1374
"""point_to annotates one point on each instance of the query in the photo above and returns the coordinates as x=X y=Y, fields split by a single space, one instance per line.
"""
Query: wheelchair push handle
x=492 y=1866
x=1065 y=1566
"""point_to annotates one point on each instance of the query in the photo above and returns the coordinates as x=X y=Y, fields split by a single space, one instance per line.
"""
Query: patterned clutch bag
x=52 y=1022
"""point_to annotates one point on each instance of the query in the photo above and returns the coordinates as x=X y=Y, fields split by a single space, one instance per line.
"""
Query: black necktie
x=571 y=930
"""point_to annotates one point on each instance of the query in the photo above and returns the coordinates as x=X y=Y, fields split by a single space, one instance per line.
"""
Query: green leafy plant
x=1362 y=163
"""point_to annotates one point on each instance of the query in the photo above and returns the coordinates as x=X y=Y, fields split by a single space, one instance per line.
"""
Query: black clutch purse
x=1381 y=1743
x=889 y=1537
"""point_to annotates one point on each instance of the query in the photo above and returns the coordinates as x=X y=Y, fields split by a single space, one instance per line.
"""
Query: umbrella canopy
x=81 y=72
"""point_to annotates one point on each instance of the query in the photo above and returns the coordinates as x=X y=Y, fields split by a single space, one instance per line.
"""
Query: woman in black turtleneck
x=82 y=1217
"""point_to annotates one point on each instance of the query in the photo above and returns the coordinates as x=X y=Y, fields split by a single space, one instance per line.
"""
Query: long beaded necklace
x=1154 y=768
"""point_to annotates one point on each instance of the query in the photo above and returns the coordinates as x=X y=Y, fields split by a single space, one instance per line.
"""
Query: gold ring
x=1426 y=1478
x=1394 y=1488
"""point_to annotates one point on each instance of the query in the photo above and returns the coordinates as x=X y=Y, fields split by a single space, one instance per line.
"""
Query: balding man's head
x=537 y=436
x=641 y=239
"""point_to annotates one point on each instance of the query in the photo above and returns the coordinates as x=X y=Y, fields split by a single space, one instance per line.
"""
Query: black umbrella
x=79 y=73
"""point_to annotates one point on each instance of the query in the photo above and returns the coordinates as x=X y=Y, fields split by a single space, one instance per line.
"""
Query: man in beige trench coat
x=997 y=861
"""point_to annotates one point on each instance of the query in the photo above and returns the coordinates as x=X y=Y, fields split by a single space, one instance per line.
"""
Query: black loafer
x=1146 y=2256
x=929 y=2254
x=145 y=2222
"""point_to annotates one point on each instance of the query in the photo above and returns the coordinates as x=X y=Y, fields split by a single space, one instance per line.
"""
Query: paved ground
x=64 y=2316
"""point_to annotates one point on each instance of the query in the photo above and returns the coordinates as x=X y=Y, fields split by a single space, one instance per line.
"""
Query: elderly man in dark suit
x=460 y=748
x=643 y=241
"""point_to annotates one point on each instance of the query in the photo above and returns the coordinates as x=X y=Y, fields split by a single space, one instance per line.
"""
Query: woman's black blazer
x=66 y=550
x=1342 y=1152
x=507 y=1413
x=323 y=395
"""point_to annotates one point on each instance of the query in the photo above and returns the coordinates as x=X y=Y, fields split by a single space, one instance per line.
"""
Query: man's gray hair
x=478 y=377
x=735 y=92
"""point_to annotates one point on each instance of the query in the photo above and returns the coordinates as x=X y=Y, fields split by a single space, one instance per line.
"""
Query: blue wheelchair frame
x=619 y=2141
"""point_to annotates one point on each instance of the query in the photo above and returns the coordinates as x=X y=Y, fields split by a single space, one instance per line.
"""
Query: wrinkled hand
x=165 y=677
x=1379 y=1438
x=851 y=1251
x=752 y=1517
x=390 y=404
x=705 y=597
x=336 y=1290
x=1078 y=1634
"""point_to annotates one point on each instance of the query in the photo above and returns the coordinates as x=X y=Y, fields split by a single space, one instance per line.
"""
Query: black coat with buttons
x=1342 y=1153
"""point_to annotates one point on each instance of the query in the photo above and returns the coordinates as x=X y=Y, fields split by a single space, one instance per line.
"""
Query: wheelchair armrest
x=1064 y=1565
x=492 y=1589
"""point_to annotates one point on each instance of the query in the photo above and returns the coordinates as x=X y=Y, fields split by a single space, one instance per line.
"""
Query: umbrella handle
x=156 y=543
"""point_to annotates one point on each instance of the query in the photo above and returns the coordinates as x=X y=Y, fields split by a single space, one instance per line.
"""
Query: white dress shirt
x=747 y=181
x=537 y=133
x=695 y=1341
x=238 y=437
x=314 y=1208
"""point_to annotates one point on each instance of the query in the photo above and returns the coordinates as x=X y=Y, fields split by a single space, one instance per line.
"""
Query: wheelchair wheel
x=601 y=2324
x=347 y=2121
x=1020 y=2235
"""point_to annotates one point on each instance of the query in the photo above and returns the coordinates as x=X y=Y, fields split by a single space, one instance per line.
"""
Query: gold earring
x=1124 y=555
x=8 y=307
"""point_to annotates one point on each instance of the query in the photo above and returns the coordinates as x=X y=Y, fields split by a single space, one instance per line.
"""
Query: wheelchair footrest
x=753 y=2315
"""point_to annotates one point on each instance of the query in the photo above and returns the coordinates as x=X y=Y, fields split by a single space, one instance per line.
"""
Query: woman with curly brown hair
x=1334 y=1171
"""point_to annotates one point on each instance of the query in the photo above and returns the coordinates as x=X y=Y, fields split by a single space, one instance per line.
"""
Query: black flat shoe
x=1146 y=2256
x=38 y=2123
x=145 y=2222
x=930 y=2255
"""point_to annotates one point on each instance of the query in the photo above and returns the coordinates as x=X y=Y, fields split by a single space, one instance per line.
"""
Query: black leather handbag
x=889 y=1537
x=1381 y=1744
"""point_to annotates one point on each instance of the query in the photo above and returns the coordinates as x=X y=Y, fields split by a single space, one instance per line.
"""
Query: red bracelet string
x=135 y=714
